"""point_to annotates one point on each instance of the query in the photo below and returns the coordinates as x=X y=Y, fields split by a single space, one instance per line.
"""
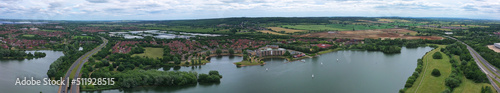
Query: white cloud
x=194 y=9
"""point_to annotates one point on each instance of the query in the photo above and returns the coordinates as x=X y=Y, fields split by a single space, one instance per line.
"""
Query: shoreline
x=293 y=59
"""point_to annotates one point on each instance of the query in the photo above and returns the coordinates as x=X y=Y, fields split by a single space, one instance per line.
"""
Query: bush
x=436 y=73
x=452 y=82
x=437 y=55
x=401 y=91
x=486 y=89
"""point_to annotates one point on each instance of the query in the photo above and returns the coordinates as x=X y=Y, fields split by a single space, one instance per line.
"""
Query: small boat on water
x=312 y=76
x=303 y=60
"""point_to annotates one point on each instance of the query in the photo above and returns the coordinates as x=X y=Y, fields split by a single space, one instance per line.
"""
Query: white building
x=448 y=33
x=497 y=45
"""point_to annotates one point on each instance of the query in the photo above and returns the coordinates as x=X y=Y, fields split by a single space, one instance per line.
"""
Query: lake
x=37 y=68
x=354 y=72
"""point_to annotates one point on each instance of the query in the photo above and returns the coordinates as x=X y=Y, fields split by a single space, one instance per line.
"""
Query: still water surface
x=354 y=72
x=37 y=68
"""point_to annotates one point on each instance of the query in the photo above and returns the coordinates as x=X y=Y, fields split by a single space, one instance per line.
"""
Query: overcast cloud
x=199 y=9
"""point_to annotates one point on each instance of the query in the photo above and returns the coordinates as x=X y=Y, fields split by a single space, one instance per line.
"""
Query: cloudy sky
x=201 y=9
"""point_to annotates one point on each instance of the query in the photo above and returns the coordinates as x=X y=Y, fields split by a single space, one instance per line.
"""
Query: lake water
x=354 y=72
x=10 y=70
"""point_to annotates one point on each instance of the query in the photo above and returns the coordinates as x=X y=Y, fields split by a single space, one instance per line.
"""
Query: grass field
x=151 y=53
x=75 y=37
x=427 y=83
x=270 y=32
x=434 y=28
x=393 y=20
x=284 y=29
x=337 y=27
x=48 y=30
x=28 y=35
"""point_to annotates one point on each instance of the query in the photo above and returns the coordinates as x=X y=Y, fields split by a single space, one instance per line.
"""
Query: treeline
x=467 y=65
x=479 y=38
x=394 y=46
x=18 y=54
x=133 y=78
x=59 y=67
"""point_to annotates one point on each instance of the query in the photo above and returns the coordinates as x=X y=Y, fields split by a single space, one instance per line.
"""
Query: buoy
x=312 y=76
x=267 y=69
x=321 y=63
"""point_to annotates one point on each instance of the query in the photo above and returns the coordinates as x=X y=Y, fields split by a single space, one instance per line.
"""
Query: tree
x=315 y=49
x=218 y=51
x=121 y=68
x=287 y=54
x=177 y=60
x=231 y=51
x=486 y=89
x=437 y=55
x=452 y=82
x=111 y=68
x=436 y=73
x=208 y=53
x=233 y=31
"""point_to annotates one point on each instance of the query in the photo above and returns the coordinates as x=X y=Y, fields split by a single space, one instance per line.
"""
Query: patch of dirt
x=375 y=34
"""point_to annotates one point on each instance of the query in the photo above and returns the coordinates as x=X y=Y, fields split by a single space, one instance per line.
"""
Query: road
x=487 y=68
x=80 y=61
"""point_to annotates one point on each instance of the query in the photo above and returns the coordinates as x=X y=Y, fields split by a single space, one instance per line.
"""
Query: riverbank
x=426 y=83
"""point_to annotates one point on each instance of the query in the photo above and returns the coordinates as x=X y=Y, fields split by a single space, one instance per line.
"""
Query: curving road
x=487 y=68
x=84 y=58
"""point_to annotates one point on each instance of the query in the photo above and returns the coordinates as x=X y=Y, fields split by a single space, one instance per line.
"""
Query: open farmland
x=277 y=29
x=338 y=27
x=270 y=32
x=393 y=20
x=379 y=33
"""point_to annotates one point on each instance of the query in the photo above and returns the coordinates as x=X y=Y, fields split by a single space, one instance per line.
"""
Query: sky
x=204 y=9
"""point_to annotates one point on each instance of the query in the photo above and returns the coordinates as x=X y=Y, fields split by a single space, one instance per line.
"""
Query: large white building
x=497 y=45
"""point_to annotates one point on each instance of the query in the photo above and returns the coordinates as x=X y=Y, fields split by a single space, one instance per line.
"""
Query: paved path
x=84 y=58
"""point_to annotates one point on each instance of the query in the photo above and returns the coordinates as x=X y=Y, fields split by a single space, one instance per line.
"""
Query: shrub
x=452 y=82
x=436 y=73
x=437 y=55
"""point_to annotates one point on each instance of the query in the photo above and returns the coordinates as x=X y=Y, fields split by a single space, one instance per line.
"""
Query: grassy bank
x=426 y=83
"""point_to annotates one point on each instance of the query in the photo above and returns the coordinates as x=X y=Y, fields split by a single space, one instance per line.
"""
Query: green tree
x=452 y=82
x=208 y=53
x=111 y=68
x=315 y=49
x=177 y=60
x=233 y=31
x=231 y=51
x=486 y=89
x=437 y=55
x=218 y=51
x=287 y=54
x=436 y=73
